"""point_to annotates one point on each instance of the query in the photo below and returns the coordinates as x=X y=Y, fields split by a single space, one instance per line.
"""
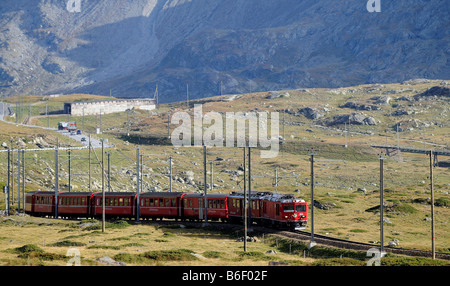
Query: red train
x=264 y=208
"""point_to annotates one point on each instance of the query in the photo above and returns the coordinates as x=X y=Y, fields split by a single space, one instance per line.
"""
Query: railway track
x=305 y=237
x=360 y=246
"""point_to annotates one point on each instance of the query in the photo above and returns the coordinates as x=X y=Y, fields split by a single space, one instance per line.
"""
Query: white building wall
x=110 y=106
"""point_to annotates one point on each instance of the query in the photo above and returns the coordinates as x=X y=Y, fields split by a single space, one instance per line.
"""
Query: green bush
x=338 y=262
x=27 y=248
x=412 y=261
x=170 y=255
x=442 y=202
x=65 y=243
x=33 y=251
x=212 y=254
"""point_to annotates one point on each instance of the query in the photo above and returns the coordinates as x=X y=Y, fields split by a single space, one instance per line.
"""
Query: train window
x=151 y=202
x=210 y=204
x=173 y=203
x=222 y=204
x=288 y=208
x=167 y=202
x=301 y=208
x=83 y=201
x=161 y=202
x=156 y=202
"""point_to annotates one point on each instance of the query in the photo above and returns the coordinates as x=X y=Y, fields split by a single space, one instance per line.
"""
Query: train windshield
x=288 y=208
x=301 y=208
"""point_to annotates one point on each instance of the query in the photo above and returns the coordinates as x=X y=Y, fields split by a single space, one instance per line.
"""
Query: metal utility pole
x=249 y=186
x=212 y=179
x=433 y=249
x=312 y=243
x=204 y=183
x=70 y=185
x=9 y=179
x=56 y=182
x=109 y=172
x=23 y=181
x=276 y=179
x=18 y=180
x=89 y=159
x=168 y=124
x=170 y=176
x=187 y=95
x=245 y=207
x=381 y=206
x=103 y=188
x=137 y=183
x=46 y=113
x=142 y=173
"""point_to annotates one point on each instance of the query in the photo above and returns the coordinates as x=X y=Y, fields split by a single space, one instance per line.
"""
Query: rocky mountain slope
x=127 y=47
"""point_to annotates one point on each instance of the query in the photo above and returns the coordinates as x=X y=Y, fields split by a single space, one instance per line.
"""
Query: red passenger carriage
x=236 y=205
x=217 y=206
x=161 y=205
x=75 y=204
x=40 y=203
x=120 y=204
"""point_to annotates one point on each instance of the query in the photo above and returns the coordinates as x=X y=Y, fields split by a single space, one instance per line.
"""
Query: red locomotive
x=264 y=208
x=270 y=209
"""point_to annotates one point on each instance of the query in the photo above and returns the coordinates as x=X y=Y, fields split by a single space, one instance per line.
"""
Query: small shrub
x=118 y=224
x=169 y=234
x=212 y=254
x=129 y=258
x=65 y=243
x=27 y=248
x=412 y=261
x=114 y=247
x=442 y=202
x=170 y=255
x=338 y=262
x=358 y=230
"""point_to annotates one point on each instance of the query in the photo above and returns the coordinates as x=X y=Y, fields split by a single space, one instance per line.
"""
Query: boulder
x=311 y=113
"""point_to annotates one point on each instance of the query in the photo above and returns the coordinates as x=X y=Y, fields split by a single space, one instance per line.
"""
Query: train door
x=200 y=208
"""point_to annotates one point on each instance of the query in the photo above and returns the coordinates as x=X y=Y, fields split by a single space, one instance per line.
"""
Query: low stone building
x=107 y=106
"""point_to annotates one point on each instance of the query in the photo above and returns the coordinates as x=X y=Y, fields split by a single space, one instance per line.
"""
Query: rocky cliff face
x=130 y=46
